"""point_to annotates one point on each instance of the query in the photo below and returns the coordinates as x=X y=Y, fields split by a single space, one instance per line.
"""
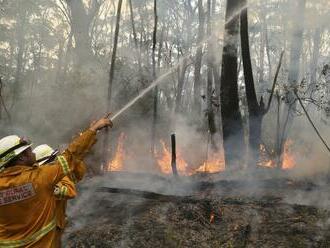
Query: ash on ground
x=117 y=210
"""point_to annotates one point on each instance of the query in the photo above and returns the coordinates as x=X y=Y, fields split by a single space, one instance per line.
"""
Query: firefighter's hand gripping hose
x=104 y=122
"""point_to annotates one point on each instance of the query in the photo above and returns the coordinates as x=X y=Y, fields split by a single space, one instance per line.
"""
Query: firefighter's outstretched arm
x=80 y=145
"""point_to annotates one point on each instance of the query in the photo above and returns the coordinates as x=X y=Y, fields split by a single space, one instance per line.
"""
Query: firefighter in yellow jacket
x=27 y=202
x=65 y=189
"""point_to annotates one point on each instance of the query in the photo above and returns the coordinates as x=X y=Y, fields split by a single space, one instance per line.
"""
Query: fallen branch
x=147 y=194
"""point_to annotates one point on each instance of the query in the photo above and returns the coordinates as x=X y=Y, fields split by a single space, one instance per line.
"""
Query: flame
x=214 y=164
x=164 y=161
x=288 y=161
x=288 y=158
x=212 y=215
x=116 y=164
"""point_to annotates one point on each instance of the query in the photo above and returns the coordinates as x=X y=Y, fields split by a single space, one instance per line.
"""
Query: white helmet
x=44 y=153
x=10 y=147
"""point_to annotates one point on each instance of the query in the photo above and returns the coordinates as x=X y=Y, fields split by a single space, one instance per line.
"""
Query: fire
x=164 y=161
x=212 y=215
x=288 y=158
x=288 y=161
x=116 y=163
x=214 y=164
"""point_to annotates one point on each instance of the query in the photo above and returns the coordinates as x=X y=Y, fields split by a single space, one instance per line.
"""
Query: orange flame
x=116 y=164
x=288 y=158
x=213 y=165
x=212 y=215
x=164 y=161
x=288 y=161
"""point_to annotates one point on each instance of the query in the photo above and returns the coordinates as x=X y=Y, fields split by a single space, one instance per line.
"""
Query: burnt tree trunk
x=255 y=110
x=233 y=137
x=173 y=160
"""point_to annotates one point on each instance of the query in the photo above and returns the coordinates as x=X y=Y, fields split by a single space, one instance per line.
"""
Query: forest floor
x=200 y=211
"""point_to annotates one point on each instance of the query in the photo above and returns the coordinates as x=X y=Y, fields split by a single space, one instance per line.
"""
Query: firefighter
x=27 y=202
x=64 y=190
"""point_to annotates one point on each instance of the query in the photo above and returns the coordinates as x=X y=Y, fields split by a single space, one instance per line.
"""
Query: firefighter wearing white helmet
x=10 y=147
x=27 y=202
x=45 y=154
x=64 y=189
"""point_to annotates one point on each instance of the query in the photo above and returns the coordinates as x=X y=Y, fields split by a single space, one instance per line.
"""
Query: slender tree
x=155 y=103
x=137 y=49
x=209 y=87
x=111 y=77
x=198 y=58
x=293 y=77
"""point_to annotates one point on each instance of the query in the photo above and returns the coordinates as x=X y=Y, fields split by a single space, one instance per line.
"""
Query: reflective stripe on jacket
x=30 y=239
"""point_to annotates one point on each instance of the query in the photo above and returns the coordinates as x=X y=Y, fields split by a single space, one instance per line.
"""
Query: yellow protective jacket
x=27 y=202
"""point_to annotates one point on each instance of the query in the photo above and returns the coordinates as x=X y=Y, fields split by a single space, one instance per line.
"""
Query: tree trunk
x=209 y=87
x=262 y=54
x=138 y=50
x=81 y=21
x=255 y=111
x=293 y=77
x=316 y=53
x=111 y=77
x=181 y=77
x=198 y=60
x=233 y=137
x=20 y=46
x=155 y=105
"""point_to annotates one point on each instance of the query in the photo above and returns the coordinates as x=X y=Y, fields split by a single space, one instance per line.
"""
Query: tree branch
x=274 y=83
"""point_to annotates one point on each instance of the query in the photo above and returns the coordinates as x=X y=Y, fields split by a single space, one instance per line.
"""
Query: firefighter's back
x=26 y=208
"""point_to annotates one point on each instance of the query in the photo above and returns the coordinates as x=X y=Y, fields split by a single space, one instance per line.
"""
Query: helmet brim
x=46 y=160
x=15 y=153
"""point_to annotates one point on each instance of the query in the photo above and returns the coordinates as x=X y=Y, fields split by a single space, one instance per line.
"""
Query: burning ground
x=206 y=206
x=214 y=210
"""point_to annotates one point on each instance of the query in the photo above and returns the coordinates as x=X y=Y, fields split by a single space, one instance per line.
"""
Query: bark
x=81 y=21
x=138 y=51
x=255 y=110
x=233 y=138
x=111 y=77
x=198 y=59
x=155 y=93
x=293 y=77
x=210 y=62
x=316 y=54
x=20 y=47
x=181 y=77
x=262 y=52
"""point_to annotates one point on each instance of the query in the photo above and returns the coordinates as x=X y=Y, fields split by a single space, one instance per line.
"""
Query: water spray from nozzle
x=170 y=71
